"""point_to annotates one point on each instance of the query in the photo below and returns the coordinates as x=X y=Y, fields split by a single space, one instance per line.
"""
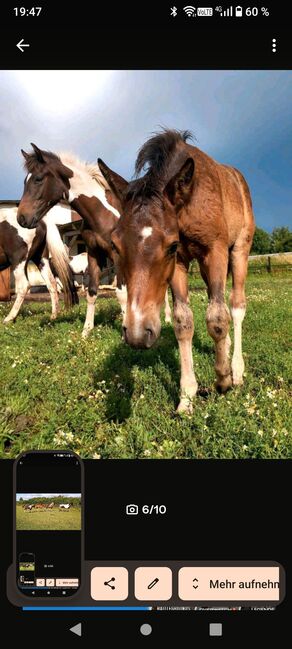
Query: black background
x=215 y=510
x=143 y=35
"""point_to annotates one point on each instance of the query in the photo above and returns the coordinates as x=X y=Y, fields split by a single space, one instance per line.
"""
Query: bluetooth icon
x=173 y=11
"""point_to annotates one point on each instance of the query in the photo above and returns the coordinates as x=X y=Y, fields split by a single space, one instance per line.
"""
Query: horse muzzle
x=143 y=337
x=27 y=222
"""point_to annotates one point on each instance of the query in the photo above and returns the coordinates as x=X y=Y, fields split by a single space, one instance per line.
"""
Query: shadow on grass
x=162 y=358
x=202 y=347
x=106 y=315
x=122 y=361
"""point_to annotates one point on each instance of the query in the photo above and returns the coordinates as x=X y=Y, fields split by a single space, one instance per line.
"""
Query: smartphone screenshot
x=48 y=522
x=145 y=329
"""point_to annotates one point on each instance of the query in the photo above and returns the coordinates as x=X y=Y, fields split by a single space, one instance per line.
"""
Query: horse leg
x=184 y=329
x=218 y=317
x=239 y=263
x=167 y=308
x=94 y=268
x=21 y=288
x=50 y=280
x=121 y=293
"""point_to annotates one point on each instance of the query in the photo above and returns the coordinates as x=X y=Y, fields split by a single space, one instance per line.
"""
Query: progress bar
x=86 y=608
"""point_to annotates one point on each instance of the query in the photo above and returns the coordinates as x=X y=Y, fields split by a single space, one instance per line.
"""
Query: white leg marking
x=51 y=284
x=184 y=329
x=188 y=381
x=122 y=297
x=21 y=288
x=237 y=359
x=167 y=308
x=89 y=322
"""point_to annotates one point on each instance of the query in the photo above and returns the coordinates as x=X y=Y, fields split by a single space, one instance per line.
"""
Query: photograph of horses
x=174 y=188
x=26 y=566
x=48 y=512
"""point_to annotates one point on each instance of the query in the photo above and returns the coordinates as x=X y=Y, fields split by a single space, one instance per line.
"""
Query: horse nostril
x=125 y=332
x=149 y=333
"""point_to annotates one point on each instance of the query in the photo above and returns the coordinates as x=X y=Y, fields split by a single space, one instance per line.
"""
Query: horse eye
x=173 y=248
x=38 y=179
x=114 y=247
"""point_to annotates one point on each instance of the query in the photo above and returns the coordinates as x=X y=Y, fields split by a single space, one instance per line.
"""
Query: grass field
x=48 y=519
x=105 y=400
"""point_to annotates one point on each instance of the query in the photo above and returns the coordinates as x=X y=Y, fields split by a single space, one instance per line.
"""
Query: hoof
x=224 y=384
x=7 y=320
x=53 y=316
x=185 y=407
x=168 y=319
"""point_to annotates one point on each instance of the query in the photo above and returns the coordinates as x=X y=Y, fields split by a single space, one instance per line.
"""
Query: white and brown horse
x=19 y=245
x=52 y=178
x=186 y=206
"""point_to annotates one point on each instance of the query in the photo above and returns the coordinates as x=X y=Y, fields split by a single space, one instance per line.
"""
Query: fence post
x=269 y=267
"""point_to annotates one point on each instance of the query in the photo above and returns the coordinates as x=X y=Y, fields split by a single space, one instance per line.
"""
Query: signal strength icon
x=190 y=11
x=227 y=12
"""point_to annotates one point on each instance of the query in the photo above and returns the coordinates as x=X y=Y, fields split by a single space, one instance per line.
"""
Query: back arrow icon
x=21 y=45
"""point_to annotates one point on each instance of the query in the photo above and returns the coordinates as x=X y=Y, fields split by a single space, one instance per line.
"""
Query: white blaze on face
x=146 y=232
x=138 y=317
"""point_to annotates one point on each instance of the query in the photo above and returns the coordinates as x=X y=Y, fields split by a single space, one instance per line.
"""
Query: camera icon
x=132 y=510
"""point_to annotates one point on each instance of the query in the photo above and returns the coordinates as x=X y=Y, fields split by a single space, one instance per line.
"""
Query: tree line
x=58 y=500
x=264 y=243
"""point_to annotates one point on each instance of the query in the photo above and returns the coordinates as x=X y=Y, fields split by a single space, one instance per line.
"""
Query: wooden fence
x=270 y=263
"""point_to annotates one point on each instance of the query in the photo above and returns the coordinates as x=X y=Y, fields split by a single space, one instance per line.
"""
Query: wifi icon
x=190 y=11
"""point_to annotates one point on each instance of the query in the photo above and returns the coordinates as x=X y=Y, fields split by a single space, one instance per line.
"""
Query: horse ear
x=117 y=184
x=178 y=189
x=38 y=152
x=25 y=155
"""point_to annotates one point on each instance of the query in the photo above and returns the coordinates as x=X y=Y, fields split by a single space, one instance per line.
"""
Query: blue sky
x=242 y=118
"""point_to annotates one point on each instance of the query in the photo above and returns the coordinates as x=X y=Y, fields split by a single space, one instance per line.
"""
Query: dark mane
x=155 y=156
x=155 y=153
x=32 y=161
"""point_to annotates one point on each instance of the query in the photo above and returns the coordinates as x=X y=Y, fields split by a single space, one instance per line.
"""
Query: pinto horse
x=186 y=206
x=18 y=246
x=52 y=178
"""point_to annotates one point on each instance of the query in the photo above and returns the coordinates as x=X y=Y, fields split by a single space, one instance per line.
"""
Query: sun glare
x=60 y=92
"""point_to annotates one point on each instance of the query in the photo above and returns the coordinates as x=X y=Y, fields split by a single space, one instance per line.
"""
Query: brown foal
x=186 y=206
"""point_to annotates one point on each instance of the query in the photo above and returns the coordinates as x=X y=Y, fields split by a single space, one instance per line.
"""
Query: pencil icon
x=153 y=583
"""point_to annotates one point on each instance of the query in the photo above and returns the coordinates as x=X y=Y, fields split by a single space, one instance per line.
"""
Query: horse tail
x=61 y=263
